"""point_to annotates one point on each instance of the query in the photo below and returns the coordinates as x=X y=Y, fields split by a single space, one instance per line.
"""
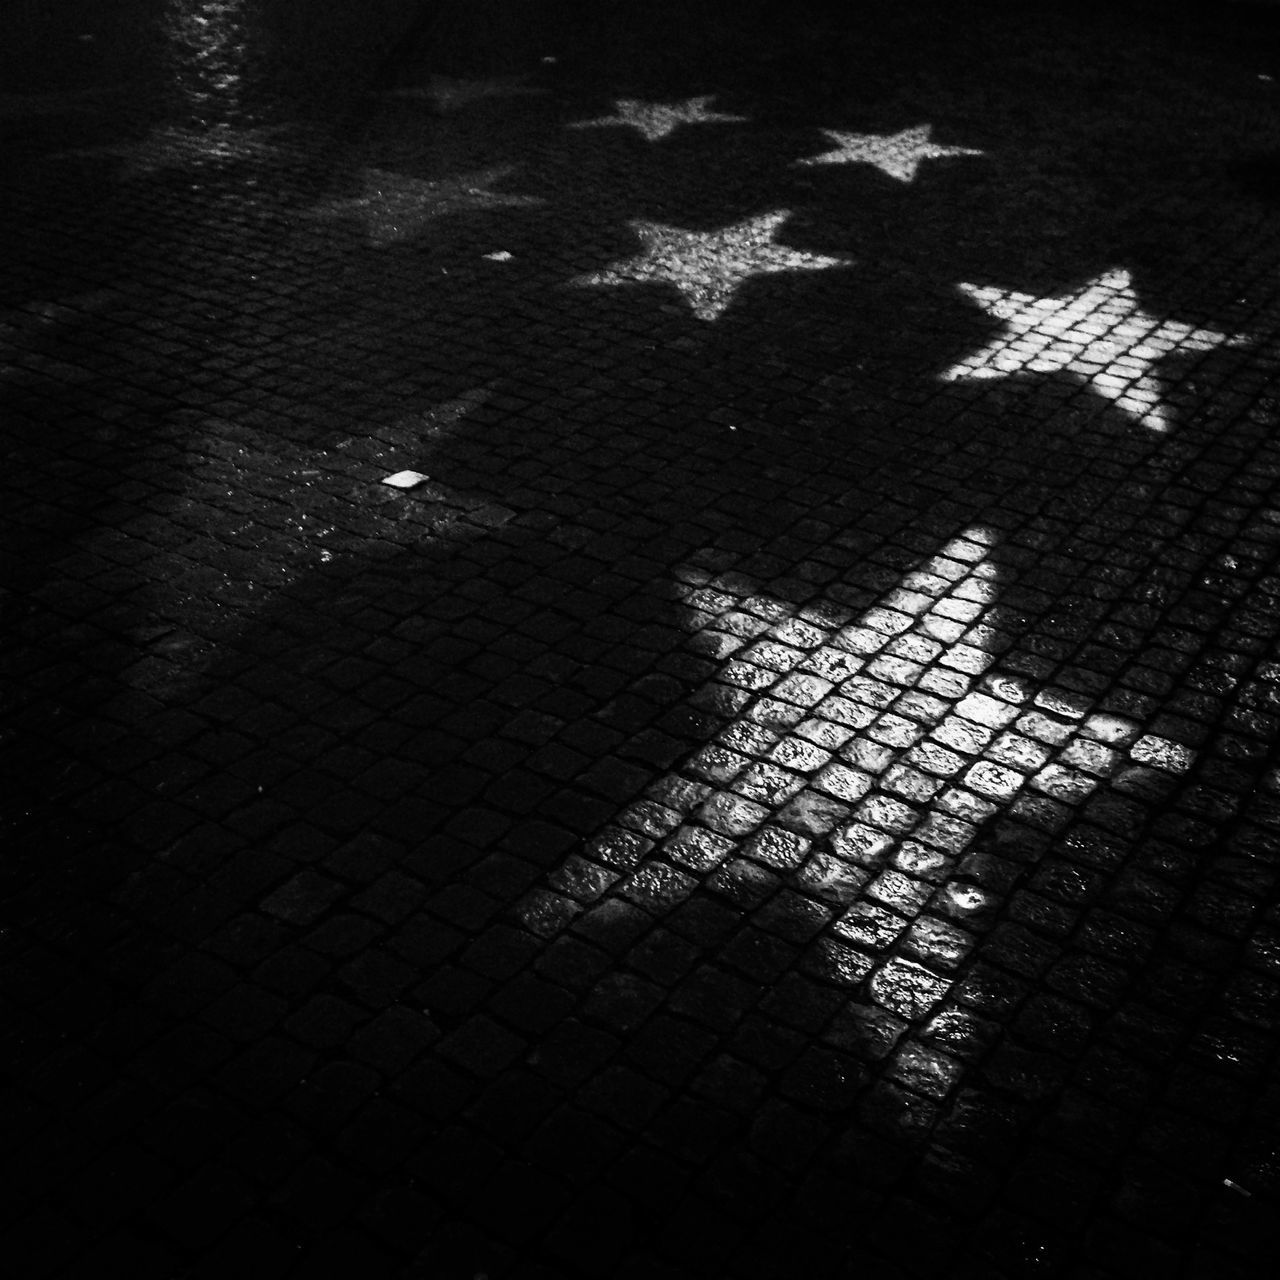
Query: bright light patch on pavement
x=860 y=758
x=1099 y=335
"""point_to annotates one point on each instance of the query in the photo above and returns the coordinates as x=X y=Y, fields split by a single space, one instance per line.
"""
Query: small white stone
x=405 y=479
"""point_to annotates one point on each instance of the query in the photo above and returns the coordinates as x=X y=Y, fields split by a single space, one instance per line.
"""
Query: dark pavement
x=641 y=641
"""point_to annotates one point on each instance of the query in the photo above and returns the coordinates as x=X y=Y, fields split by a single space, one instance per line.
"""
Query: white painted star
x=1099 y=335
x=449 y=94
x=657 y=119
x=396 y=208
x=708 y=266
x=897 y=154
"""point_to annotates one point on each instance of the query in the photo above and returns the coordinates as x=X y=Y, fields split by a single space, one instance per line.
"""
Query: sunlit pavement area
x=641 y=640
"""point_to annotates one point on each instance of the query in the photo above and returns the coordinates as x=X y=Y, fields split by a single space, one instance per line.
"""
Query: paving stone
x=304 y=898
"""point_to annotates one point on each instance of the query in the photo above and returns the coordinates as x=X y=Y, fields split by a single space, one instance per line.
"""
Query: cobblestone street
x=641 y=640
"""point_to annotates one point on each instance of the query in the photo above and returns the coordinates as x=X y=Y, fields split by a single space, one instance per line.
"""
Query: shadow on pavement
x=756 y=807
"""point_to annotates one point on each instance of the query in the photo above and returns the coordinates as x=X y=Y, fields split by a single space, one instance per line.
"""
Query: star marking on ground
x=449 y=94
x=896 y=154
x=396 y=208
x=861 y=756
x=1099 y=334
x=656 y=120
x=709 y=266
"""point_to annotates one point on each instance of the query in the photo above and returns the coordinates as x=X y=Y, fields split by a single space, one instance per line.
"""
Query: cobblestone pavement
x=642 y=644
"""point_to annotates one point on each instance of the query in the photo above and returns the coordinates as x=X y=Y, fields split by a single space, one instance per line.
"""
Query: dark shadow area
x=757 y=807
x=1259 y=176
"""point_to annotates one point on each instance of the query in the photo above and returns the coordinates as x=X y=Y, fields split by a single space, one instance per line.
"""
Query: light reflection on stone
x=896 y=154
x=883 y=744
x=1099 y=335
x=709 y=266
x=208 y=50
x=396 y=208
x=655 y=120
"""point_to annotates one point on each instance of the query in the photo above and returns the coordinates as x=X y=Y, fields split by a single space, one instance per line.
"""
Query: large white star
x=861 y=758
x=897 y=154
x=657 y=119
x=396 y=208
x=1099 y=334
x=708 y=266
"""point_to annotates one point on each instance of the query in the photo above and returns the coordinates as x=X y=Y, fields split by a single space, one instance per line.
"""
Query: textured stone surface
x=755 y=804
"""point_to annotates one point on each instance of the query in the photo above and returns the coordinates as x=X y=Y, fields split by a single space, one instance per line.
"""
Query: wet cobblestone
x=641 y=646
